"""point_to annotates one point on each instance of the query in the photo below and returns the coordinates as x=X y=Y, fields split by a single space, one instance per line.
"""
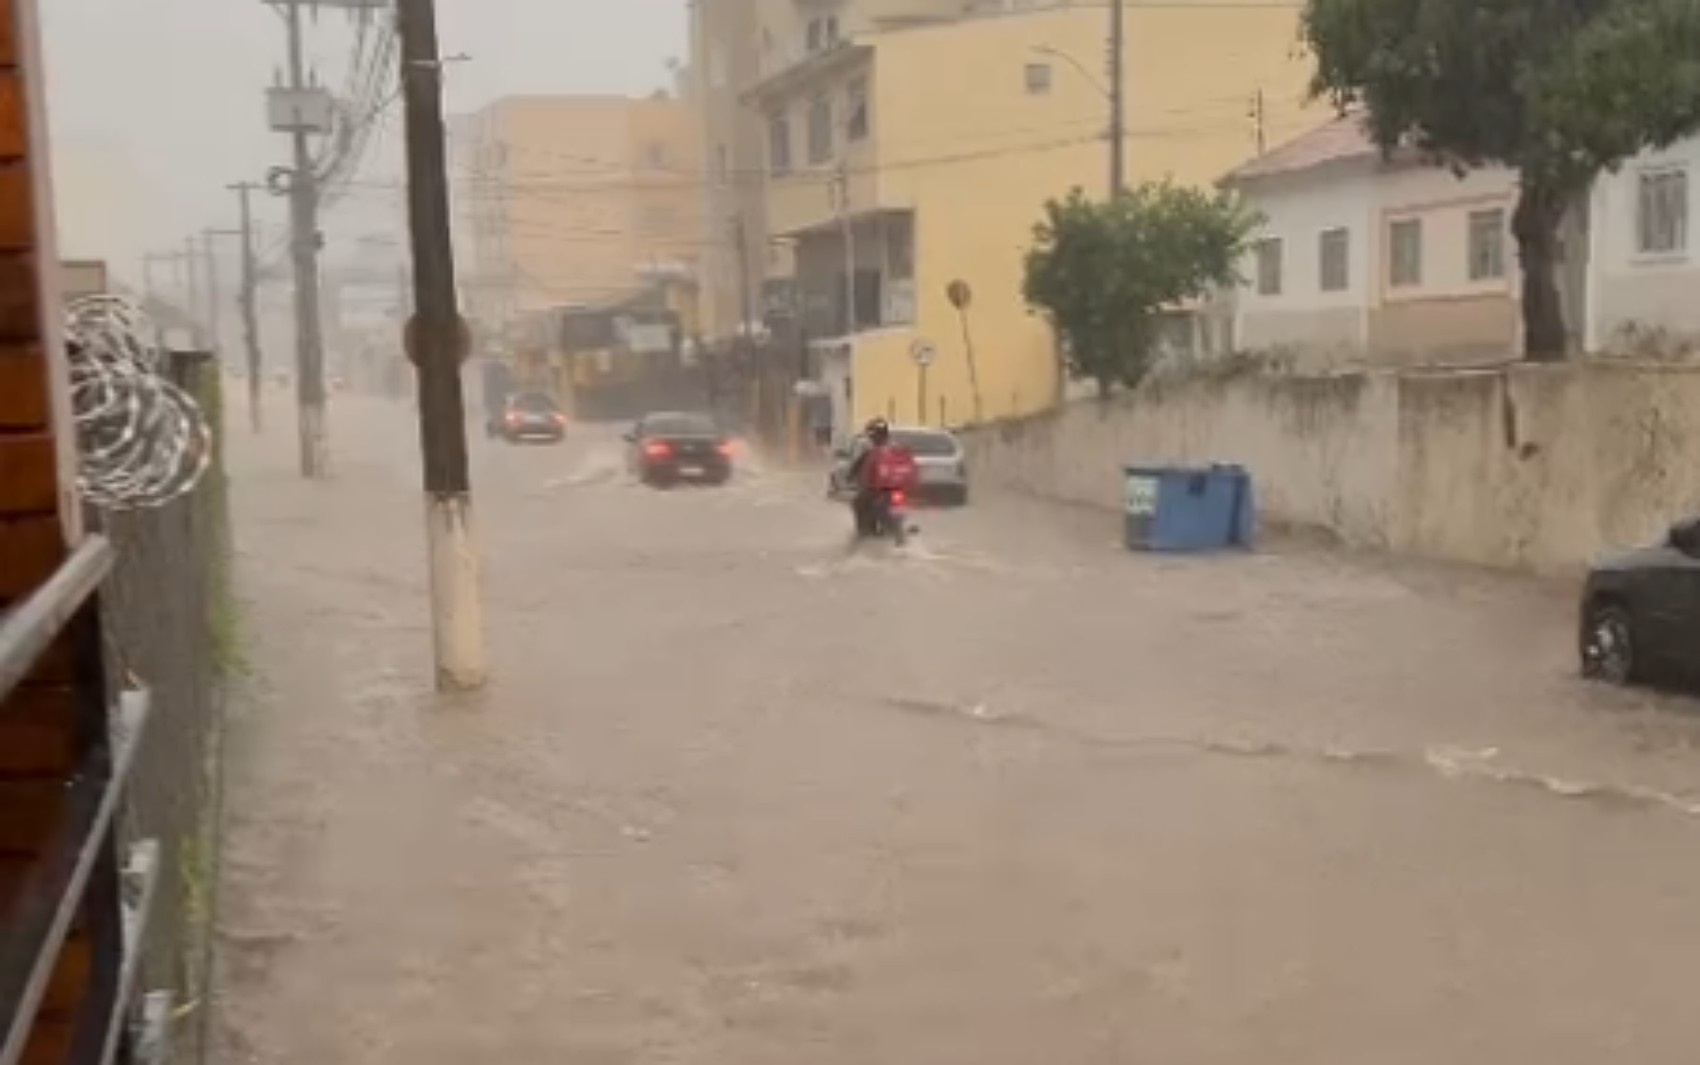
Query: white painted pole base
x=457 y=615
x=315 y=452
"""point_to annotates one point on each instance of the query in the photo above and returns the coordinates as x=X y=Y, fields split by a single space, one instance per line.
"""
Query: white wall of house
x=1645 y=265
x=1297 y=210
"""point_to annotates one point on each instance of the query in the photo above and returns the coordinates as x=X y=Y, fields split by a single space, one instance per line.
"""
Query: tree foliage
x=1559 y=90
x=1102 y=270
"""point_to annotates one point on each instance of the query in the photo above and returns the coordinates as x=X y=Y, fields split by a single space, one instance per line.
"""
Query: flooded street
x=740 y=796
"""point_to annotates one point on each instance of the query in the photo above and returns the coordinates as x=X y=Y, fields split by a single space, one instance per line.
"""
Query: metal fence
x=167 y=619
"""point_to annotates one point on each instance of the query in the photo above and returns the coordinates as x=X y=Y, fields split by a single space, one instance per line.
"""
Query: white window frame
x=1485 y=262
x=1324 y=241
x=1661 y=189
x=1270 y=253
x=1396 y=276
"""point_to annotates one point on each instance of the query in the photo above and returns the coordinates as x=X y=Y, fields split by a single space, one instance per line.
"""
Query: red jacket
x=889 y=468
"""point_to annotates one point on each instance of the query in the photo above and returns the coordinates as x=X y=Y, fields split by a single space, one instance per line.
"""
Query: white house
x=1366 y=258
x=1644 y=270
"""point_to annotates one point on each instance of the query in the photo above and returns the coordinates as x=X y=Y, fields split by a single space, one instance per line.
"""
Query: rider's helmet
x=878 y=431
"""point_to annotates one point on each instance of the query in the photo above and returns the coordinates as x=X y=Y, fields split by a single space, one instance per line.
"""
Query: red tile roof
x=1339 y=140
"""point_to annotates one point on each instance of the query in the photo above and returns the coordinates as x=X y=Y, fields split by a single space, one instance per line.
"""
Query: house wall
x=1446 y=315
x=975 y=155
x=1297 y=210
x=1550 y=476
x=1631 y=288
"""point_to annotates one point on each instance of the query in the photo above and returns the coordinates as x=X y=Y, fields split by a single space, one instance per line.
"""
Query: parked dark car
x=529 y=417
x=1640 y=617
x=666 y=448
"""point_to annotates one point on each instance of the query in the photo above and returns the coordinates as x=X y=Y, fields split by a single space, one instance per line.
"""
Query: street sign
x=923 y=353
x=410 y=340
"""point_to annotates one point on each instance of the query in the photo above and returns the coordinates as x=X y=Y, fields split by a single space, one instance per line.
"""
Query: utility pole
x=250 y=309
x=304 y=252
x=847 y=228
x=1257 y=120
x=209 y=255
x=191 y=257
x=438 y=341
x=1118 y=97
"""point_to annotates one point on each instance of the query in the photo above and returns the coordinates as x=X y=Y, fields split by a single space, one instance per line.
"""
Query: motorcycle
x=883 y=513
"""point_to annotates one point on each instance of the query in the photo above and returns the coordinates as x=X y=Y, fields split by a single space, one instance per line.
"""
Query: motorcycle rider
x=866 y=455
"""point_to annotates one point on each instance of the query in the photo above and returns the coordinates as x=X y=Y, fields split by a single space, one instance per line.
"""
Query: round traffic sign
x=463 y=339
x=923 y=353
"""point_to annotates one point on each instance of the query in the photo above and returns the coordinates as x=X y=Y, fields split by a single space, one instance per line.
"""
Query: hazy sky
x=156 y=105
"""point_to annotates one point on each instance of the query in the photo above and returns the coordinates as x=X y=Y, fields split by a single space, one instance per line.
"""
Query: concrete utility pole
x=438 y=341
x=191 y=259
x=1118 y=97
x=250 y=307
x=304 y=253
x=209 y=255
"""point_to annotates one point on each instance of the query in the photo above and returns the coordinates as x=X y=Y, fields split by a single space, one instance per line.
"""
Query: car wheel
x=1608 y=645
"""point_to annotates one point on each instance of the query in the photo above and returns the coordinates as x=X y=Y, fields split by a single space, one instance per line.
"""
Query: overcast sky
x=156 y=105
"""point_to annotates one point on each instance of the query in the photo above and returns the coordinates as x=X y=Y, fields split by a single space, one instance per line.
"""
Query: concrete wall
x=1527 y=467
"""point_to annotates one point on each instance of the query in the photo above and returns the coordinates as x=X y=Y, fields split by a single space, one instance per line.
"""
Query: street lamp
x=1085 y=71
x=1112 y=93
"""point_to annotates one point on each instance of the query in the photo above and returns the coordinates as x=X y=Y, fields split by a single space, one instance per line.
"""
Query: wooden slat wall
x=40 y=737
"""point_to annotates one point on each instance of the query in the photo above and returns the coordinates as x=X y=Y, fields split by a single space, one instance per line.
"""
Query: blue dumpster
x=1178 y=508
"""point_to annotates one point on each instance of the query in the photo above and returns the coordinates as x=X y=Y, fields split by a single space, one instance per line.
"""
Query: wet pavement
x=741 y=796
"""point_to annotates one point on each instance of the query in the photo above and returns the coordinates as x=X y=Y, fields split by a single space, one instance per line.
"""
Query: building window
x=779 y=144
x=1038 y=79
x=1405 y=253
x=1487 y=245
x=1269 y=266
x=856 y=121
x=822 y=33
x=820 y=129
x=1662 y=212
x=1334 y=260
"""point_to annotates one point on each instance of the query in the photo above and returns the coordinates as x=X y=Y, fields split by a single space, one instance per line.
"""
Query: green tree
x=1559 y=90
x=1102 y=270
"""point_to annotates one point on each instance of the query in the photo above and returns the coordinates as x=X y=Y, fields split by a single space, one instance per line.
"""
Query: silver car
x=939 y=455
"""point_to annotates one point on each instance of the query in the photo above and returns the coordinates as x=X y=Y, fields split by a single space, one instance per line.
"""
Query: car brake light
x=513 y=417
x=897 y=498
x=560 y=419
x=727 y=448
x=656 y=448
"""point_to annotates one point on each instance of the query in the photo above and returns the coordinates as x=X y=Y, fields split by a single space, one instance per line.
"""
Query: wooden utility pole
x=250 y=308
x=1118 y=97
x=438 y=340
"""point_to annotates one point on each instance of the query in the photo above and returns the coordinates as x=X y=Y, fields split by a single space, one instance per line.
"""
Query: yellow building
x=573 y=200
x=921 y=150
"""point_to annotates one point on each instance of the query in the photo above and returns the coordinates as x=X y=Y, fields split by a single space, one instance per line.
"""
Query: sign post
x=923 y=353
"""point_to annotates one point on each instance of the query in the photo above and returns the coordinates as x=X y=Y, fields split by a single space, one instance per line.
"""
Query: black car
x=667 y=448
x=1640 y=618
x=529 y=416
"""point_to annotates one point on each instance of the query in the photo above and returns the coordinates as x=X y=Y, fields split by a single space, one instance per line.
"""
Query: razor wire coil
x=142 y=440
